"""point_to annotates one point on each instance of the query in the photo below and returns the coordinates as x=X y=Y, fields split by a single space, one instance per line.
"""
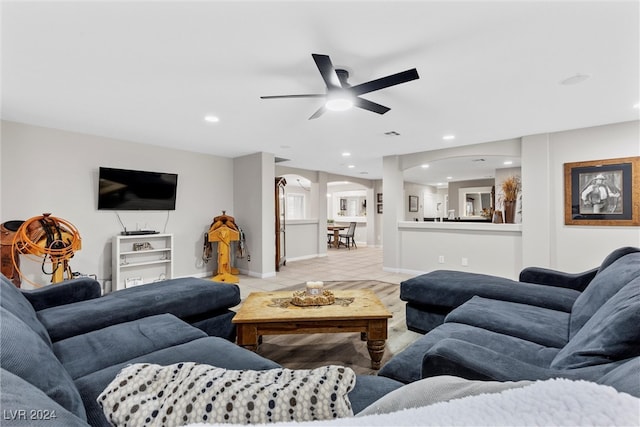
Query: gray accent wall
x=47 y=170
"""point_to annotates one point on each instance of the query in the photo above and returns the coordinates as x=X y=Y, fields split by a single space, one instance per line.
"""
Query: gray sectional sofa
x=63 y=344
x=577 y=326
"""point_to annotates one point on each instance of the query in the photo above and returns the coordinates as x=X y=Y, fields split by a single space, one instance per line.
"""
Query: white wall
x=301 y=239
x=254 y=186
x=46 y=170
x=479 y=248
x=570 y=247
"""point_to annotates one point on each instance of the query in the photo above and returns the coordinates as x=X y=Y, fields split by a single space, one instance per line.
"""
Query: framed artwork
x=413 y=203
x=343 y=204
x=379 y=208
x=602 y=192
x=379 y=197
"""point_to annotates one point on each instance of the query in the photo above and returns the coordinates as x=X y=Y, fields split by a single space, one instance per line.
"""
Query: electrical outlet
x=465 y=261
x=441 y=259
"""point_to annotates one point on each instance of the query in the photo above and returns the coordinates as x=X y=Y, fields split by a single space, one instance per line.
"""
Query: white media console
x=140 y=259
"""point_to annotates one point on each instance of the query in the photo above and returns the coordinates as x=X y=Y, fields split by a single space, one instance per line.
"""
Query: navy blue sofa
x=432 y=296
x=582 y=326
x=62 y=345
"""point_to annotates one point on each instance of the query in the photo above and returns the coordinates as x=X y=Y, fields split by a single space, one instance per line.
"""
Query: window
x=295 y=206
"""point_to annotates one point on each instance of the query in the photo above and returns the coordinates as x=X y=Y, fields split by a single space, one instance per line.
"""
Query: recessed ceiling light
x=211 y=119
x=574 y=80
x=449 y=177
x=508 y=162
x=637 y=105
x=449 y=137
x=346 y=154
x=351 y=166
x=425 y=166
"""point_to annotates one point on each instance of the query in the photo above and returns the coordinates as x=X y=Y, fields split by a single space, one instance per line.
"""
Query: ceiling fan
x=341 y=95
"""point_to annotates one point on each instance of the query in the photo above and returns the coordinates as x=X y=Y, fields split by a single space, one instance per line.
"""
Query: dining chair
x=348 y=237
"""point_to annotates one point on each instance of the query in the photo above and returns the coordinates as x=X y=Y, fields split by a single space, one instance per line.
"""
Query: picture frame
x=379 y=197
x=413 y=203
x=602 y=192
x=379 y=208
x=343 y=204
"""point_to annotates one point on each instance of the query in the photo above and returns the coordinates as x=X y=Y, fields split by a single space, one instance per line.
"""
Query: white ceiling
x=150 y=71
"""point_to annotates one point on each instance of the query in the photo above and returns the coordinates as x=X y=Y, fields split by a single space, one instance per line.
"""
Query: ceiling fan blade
x=318 y=113
x=381 y=83
x=328 y=73
x=309 y=95
x=370 y=105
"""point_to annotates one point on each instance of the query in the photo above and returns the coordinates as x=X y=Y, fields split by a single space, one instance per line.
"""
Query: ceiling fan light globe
x=339 y=104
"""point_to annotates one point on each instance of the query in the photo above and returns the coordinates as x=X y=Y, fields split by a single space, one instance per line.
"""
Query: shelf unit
x=131 y=267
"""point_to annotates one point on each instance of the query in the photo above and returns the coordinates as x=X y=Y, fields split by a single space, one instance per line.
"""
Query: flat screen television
x=129 y=190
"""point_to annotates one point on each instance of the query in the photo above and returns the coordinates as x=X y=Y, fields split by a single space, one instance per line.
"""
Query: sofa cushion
x=66 y=292
x=15 y=302
x=210 y=351
x=625 y=378
x=407 y=366
x=611 y=334
x=185 y=298
x=436 y=389
x=445 y=288
x=607 y=282
x=186 y=393
x=26 y=355
x=216 y=325
x=536 y=324
x=24 y=404
x=90 y=352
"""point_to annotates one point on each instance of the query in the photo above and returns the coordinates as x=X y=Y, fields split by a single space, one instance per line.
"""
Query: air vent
x=478 y=160
x=392 y=133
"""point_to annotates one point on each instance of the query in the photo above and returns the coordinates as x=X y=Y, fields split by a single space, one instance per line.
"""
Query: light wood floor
x=364 y=263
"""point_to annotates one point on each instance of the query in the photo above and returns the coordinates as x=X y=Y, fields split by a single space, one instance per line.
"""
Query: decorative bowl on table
x=304 y=298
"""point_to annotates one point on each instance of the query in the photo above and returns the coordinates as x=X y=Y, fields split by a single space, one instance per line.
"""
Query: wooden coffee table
x=269 y=313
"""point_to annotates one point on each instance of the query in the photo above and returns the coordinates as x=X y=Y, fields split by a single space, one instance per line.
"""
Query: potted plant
x=510 y=189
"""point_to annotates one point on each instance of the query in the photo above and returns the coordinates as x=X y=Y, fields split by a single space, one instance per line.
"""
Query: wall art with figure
x=603 y=192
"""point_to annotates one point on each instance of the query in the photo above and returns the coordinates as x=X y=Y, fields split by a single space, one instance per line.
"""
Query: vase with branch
x=511 y=187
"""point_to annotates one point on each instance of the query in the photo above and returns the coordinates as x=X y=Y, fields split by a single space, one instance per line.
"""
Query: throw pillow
x=189 y=392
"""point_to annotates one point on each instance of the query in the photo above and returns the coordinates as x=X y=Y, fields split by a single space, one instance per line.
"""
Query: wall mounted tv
x=129 y=190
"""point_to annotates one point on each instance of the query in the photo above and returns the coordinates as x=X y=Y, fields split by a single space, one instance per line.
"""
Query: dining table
x=336 y=233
